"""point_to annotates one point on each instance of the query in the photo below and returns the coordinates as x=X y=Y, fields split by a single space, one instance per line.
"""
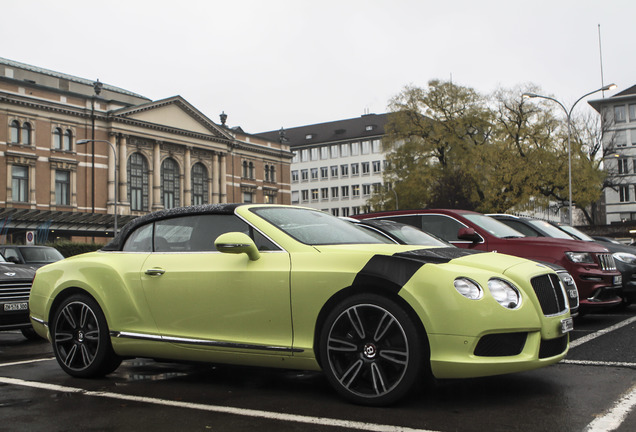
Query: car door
x=199 y=295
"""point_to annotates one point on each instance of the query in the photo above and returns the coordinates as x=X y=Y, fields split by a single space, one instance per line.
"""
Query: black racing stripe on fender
x=437 y=255
x=387 y=272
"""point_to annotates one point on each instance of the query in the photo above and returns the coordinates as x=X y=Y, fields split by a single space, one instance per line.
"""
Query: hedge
x=68 y=248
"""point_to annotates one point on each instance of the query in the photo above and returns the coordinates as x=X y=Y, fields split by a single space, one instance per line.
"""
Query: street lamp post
x=568 y=114
x=112 y=146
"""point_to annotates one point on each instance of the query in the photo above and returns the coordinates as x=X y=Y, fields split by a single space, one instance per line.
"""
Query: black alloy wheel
x=81 y=340
x=370 y=350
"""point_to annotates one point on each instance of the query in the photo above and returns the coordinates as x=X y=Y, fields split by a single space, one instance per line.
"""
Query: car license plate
x=567 y=325
x=11 y=307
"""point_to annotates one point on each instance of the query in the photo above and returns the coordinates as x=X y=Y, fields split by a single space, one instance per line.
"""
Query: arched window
x=245 y=172
x=57 y=138
x=68 y=139
x=26 y=133
x=251 y=171
x=170 y=184
x=14 y=132
x=199 y=184
x=272 y=174
x=267 y=173
x=138 y=182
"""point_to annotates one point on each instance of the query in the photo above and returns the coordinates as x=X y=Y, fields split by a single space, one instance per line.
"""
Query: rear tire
x=371 y=350
x=81 y=339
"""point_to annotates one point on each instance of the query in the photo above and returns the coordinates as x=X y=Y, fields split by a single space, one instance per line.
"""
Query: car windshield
x=493 y=226
x=411 y=235
x=550 y=229
x=314 y=227
x=40 y=255
x=576 y=233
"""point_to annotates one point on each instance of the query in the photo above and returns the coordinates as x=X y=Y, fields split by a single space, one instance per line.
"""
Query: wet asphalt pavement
x=594 y=389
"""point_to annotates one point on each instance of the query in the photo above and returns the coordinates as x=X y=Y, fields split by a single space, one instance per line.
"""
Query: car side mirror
x=13 y=260
x=237 y=243
x=468 y=234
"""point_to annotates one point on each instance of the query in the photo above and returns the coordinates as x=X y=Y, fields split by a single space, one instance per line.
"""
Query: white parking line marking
x=323 y=421
x=615 y=416
x=26 y=362
x=599 y=363
x=592 y=336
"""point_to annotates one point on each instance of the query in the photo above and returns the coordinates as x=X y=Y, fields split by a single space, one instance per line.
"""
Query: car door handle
x=155 y=272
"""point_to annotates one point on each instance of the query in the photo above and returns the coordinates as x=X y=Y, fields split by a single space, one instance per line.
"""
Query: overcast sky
x=283 y=63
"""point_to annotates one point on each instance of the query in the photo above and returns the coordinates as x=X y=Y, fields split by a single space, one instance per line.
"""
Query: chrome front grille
x=606 y=261
x=15 y=291
x=550 y=294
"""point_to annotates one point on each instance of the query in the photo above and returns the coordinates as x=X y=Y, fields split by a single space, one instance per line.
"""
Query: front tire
x=370 y=350
x=81 y=340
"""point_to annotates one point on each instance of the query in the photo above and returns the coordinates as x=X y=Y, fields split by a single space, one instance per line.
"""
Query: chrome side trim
x=39 y=321
x=201 y=342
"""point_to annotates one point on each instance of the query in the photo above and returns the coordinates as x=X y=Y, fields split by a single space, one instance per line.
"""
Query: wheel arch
x=377 y=289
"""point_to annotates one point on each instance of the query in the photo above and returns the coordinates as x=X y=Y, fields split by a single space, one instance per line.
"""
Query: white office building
x=337 y=165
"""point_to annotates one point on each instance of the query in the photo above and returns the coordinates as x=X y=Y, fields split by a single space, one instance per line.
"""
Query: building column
x=32 y=186
x=187 y=178
x=52 y=188
x=215 y=179
x=112 y=181
x=122 y=158
x=223 y=174
x=156 y=177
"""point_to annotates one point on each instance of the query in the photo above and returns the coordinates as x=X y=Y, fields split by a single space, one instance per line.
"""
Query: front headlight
x=580 y=257
x=505 y=293
x=469 y=289
x=625 y=257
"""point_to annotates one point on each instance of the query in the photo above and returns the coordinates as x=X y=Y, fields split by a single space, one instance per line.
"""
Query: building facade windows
x=623 y=192
x=314 y=174
x=324 y=173
x=324 y=152
x=199 y=185
x=304 y=175
x=344 y=170
x=619 y=114
x=248 y=170
x=20 y=134
x=334 y=192
x=632 y=112
x=377 y=167
x=20 y=183
x=366 y=147
x=137 y=182
x=270 y=173
x=294 y=176
x=365 y=168
x=344 y=150
x=62 y=187
x=305 y=195
x=355 y=169
x=62 y=140
x=345 y=191
x=170 y=184
x=14 y=132
x=623 y=166
x=324 y=194
x=248 y=197
x=355 y=191
x=314 y=195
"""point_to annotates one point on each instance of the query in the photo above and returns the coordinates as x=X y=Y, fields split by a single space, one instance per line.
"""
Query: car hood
x=492 y=261
x=16 y=271
x=570 y=245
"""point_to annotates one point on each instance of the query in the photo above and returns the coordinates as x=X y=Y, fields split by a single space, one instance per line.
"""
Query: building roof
x=60 y=75
x=629 y=93
x=368 y=125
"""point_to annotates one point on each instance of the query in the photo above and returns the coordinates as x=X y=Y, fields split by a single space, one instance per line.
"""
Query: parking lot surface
x=594 y=389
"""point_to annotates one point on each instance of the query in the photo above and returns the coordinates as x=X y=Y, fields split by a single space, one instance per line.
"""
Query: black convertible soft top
x=118 y=242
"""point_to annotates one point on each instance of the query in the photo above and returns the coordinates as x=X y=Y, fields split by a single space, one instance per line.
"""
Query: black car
x=15 y=287
x=35 y=256
x=407 y=234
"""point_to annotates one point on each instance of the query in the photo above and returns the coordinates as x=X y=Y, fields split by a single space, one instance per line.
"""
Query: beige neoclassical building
x=73 y=152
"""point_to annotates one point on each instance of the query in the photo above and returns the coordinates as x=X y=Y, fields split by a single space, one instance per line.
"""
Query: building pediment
x=174 y=112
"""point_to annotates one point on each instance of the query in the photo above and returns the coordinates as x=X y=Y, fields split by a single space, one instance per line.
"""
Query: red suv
x=591 y=265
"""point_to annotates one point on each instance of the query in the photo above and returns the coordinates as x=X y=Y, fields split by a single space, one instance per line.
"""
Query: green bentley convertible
x=290 y=287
